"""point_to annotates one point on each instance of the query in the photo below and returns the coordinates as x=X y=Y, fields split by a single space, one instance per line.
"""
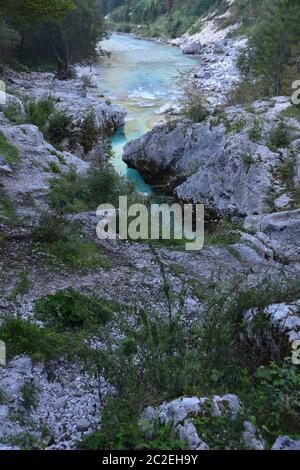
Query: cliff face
x=224 y=163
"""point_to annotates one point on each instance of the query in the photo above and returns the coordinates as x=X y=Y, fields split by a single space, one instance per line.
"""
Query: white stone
x=4 y=411
x=252 y=437
x=83 y=425
x=283 y=202
x=188 y=434
x=286 y=443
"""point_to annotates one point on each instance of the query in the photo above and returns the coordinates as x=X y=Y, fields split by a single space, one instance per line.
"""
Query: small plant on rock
x=279 y=137
x=70 y=309
x=29 y=395
x=192 y=102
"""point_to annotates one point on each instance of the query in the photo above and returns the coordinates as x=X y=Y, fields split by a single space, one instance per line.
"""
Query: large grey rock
x=296 y=148
x=6 y=447
x=83 y=425
x=188 y=433
x=168 y=154
x=285 y=317
x=192 y=48
x=228 y=404
x=181 y=412
x=178 y=410
x=15 y=102
x=12 y=383
x=4 y=411
x=280 y=231
x=252 y=437
x=204 y=163
x=226 y=183
x=257 y=245
x=29 y=182
x=283 y=202
x=60 y=403
x=9 y=430
x=22 y=365
x=286 y=443
x=71 y=95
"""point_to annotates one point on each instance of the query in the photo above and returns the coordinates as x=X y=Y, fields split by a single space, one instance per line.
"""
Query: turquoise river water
x=140 y=76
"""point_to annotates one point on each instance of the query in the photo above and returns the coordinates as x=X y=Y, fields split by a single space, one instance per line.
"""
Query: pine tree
x=273 y=41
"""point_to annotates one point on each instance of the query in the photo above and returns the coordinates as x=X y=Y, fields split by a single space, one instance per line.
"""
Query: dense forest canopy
x=173 y=17
x=53 y=33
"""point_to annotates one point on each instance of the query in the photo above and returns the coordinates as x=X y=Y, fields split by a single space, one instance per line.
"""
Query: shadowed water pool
x=139 y=76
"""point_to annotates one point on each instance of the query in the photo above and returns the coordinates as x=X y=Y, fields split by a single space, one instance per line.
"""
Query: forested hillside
x=52 y=35
x=168 y=18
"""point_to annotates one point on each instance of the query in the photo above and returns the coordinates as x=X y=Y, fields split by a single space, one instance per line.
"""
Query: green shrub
x=53 y=123
x=247 y=91
x=42 y=343
x=22 y=286
x=89 y=132
x=3 y=397
x=61 y=242
x=120 y=430
x=227 y=347
x=237 y=125
x=192 y=101
x=292 y=112
x=22 y=337
x=8 y=151
x=222 y=432
x=286 y=172
x=58 y=127
x=70 y=309
x=39 y=110
x=74 y=193
x=248 y=159
x=27 y=441
x=162 y=358
x=224 y=233
x=29 y=395
x=7 y=212
x=255 y=132
x=77 y=253
x=13 y=112
x=274 y=400
x=279 y=137
x=54 y=167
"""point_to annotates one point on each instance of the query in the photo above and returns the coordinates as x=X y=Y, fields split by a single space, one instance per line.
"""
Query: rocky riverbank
x=66 y=315
x=233 y=163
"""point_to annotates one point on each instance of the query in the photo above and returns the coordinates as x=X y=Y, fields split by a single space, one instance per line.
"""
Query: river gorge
x=140 y=76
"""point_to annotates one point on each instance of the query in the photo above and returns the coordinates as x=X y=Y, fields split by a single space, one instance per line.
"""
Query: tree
x=272 y=42
x=75 y=38
x=28 y=12
x=61 y=32
x=9 y=40
x=17 y=17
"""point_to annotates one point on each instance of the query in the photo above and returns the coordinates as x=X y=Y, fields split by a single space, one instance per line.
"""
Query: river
x=140 y=76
